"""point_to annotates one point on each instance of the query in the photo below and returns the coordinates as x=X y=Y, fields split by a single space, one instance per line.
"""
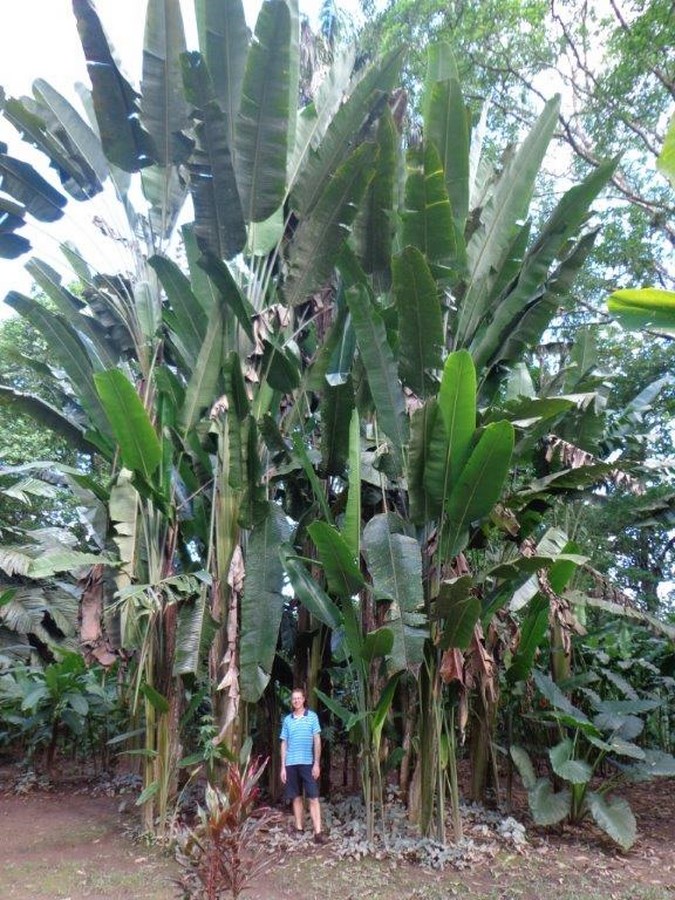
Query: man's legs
x=315 y=814
x=298 y=813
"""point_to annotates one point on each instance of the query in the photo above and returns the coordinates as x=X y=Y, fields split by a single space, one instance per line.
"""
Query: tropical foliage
x=316 y=401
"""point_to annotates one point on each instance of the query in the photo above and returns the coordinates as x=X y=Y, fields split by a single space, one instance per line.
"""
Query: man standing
x=300 y=762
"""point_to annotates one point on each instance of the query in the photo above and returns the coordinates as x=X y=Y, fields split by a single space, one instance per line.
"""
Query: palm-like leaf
x=262 y=602
x=125 y=143
x=262 y=125
x=219 y=223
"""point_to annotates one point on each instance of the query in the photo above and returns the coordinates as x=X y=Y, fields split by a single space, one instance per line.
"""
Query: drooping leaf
x=548 y=807
x=70 y=351
x=228 y=290
x=191 y=322
x=615 y=817
x=194 y=635
x=262 y=602
x=337 y=406
x=532 y=633
x=21 y=181
x=262 y=123
x=524 y=765
x=73 y=132
x=201 y=390
x=308 y=592
x=459 y=610
x=394 y=562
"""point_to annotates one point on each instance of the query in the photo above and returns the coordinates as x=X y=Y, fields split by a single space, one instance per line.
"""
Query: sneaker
x=320 y=838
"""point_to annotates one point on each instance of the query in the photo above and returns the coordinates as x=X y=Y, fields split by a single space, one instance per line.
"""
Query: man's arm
x=316 y=768
x=283 y=762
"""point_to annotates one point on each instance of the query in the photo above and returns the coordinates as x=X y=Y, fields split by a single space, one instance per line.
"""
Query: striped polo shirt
x=298 y=732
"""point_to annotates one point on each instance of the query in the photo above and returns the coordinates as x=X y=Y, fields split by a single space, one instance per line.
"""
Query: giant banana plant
x=175 y=373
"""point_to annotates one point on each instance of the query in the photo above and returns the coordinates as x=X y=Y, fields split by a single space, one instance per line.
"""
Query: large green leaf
x=556 y=698
x=341 y=569
x=427 y=218
x=262 y=602
x=394 y=562
x=425 y=505
x=201 y=391
x=314 y=119
x=69 y=350
x=459 y=610
x=21 y=181
x=615 y=817
x=228 y=291
x=46 y=414
x=318 y=240
x=163 y=107
x=532 y=633
x=576 y=771
x=565 y=220
x=420 y=321
x=500 y=219
x=308 y=592
x=366 y=99
x=337 y=406
x=262 y=124
x=101 y=352
x=194 y=634
x=224 y=40
x=373 y=226
x=351 y=530
x=457 y=406
x=447 y=128
x=380 y=365
x=139 y=445
x=665 y=161
x=479 y=485
x=645 y=308
x=547 y=806
x=75 y=173
x=219 y=221
x=190 y=321
x=125 y=143
x=524 y=765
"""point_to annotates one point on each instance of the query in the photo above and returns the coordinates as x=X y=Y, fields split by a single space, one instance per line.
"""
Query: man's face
x=297 y=700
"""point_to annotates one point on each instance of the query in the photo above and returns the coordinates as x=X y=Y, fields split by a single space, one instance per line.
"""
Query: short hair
x=299 y=690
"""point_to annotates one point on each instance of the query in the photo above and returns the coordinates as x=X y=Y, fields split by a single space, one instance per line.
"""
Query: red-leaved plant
x=223 y=849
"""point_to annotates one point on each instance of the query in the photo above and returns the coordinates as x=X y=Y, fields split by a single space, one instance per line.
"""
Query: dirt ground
x=65 y=842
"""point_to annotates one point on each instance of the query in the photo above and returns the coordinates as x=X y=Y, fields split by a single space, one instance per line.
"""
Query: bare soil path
x=67 y=843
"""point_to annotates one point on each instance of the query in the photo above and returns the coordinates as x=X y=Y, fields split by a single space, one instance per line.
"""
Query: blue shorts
x=297 y=777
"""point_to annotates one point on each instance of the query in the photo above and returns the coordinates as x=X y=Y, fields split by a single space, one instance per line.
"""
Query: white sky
x=39 y=39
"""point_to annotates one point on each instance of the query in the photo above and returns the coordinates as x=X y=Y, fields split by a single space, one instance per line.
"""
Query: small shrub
x=222 y=852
